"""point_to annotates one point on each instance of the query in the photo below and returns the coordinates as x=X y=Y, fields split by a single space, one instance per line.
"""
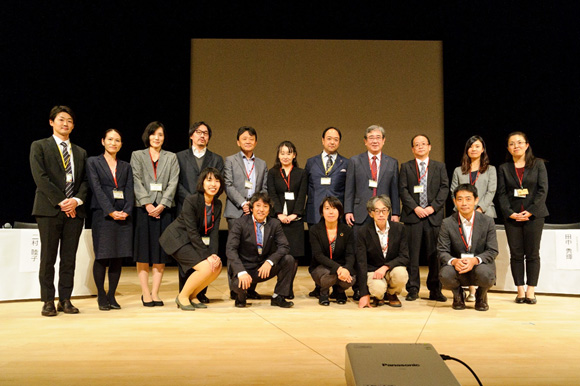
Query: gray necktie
x=423 y=196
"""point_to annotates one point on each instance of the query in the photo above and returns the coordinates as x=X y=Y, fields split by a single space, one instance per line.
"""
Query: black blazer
x=242 y=249
x=277 y=187
x=102 y=184
x=483 y=240
x=343 y=255
x=437 y=191
x=189 y=172
x=50 y=177
x=369 y=254
x=535 y=180
x=189 y=227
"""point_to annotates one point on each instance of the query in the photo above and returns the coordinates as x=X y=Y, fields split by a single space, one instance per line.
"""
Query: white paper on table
x=29 y=251
x=568 y=249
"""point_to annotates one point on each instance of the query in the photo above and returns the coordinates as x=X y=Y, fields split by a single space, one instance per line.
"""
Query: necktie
x=259 y=236
x=374 y=172
x=329 y=163
x=68 y=190
x=423 y=194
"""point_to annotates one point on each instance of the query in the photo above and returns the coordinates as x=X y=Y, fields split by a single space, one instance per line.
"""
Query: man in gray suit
x=467 y=248
x=191 y=163
x=245 y=174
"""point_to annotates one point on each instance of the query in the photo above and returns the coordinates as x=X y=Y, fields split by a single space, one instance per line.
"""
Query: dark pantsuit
x=423 y=233
x=524 y=241
x=54 y=230
x=481 y=275
x=283 y=270
x=325 y=279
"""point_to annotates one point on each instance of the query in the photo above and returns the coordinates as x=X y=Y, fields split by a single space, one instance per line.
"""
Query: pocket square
x=343 y=170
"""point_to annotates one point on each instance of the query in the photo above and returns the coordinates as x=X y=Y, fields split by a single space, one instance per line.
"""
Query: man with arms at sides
x=257 y=250
x=58 y=169
x=191 y=163
x=467 y=248
x=382 y=256
x=370 y=174
x=326 y=178
x=245 y=174
x=424 y=187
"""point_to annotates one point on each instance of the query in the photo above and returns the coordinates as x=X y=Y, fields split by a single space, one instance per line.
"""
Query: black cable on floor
x=447 y=357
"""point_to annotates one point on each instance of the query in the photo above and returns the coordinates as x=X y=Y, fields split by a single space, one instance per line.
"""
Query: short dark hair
x=249 y=129
x=216 y=173
x=115 y=130
x=292 y=148
x=334 y=202
x=332 y=128
x=61 y=109
x=150 y=129
x=261 y=196
x=467 y=188
x=386 y=200
x=420 y=135
x=195 y=126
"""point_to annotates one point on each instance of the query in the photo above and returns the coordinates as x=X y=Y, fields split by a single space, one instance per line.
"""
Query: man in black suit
x=382 y=256
x=192 y=161
x=257 y=250
x=58 y=169
x=467 y=248
x=424 y=187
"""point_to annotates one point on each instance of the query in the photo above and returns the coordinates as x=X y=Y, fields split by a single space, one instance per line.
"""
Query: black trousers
x=326 y=279
x=524 y=241
x=283 y=270
x=54 y=231
x=423 y=234
x=482 y=275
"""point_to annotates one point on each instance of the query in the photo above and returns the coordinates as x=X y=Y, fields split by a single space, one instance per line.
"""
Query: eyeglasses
x=519 y=143
x=201 y=133
x=374 y=138
x=381 y=211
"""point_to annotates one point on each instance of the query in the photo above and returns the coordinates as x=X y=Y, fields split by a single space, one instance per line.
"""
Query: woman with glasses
x=522 y=191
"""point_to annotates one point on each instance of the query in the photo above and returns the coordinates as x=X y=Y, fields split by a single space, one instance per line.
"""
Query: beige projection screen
x=293 y=89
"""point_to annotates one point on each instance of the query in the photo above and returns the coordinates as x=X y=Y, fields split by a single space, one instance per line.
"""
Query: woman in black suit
x=332 y=252
x=111 y=181
x=522 y=190
x=287 y=186
x=192 y=239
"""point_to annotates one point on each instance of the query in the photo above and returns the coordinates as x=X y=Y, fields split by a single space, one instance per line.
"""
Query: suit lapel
x=318 y=162
x=337 y=165
x=512 y=170
x=56 y=154
x=191 y=160
x=105 y=171
x=364 y=157
x=383 y=169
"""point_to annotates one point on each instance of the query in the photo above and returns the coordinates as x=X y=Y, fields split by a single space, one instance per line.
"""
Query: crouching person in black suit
x=257 y=250
x=467 y=248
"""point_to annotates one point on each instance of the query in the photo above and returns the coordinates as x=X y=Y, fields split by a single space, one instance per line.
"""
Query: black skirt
x=146 y=248
x=111 y=239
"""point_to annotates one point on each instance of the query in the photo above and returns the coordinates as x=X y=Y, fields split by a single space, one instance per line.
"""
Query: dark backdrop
x=506 y=67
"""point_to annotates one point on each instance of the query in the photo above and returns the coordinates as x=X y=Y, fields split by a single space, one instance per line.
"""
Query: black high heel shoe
x=104 y=304
x=147 y=304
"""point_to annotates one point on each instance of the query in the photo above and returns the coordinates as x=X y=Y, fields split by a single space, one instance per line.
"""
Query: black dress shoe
x=323 y=300
x=158 y=303
x=48 y=309
x=240 y=300
x=438 y=296
x=356 y=295
x=314 y=293
x=67 y=307
x=530 y=300
x=103 y=303
x=458 y=299
x=481 y=299
x=411 y=296
x=232 y=295
x=291 y=296
x=252 y=294
x=341 y=298
x=281 y=302
x=520 y=300
x=147 y=304
x=202 y=298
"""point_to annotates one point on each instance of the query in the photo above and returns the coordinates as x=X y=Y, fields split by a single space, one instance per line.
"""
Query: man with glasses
x=424 y=187
x=382 y=256
x=191 y=163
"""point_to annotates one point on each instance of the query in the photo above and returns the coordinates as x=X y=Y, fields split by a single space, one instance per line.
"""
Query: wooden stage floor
x=510 y=344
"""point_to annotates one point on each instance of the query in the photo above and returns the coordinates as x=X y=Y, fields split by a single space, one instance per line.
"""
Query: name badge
x=248 y=184
x=69 y=177
x=521 y=193
x=466 y=255
x=418 y=189
x=324 y=180
x=289 y=196
x=205 y=240
x=155 y=187
x=373 y=184
x=118 y=194
x=259 y=250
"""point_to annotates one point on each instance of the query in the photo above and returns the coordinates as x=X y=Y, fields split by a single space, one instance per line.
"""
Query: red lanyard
x=466 y=243
x=205 y=217
x=287 y=181
x=251 y=170
x=419 y=177
x=114 y=172
x=256 y=231
x=476 y=177
x=330 y=241
x=521 y=180
x=154 y=164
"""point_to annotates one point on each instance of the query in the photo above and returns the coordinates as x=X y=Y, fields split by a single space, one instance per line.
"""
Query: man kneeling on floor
x=382 y=256
x=257 y=250
x=467 y=248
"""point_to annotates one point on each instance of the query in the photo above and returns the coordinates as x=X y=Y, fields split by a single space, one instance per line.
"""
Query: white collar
x=465 y=221
x=387 y=227
x=198 y=153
